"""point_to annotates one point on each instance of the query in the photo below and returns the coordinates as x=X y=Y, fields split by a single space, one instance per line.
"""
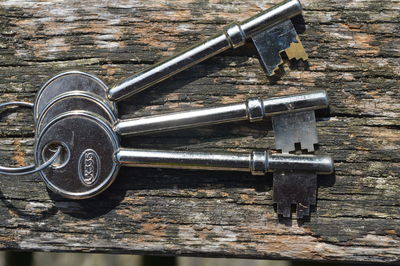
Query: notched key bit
x=294 y=188
x=297 y=127
x=276 y=40
x=293 y=128
x=291 y=187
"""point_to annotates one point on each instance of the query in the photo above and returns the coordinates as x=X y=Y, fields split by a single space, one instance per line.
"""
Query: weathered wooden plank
x=354 y=53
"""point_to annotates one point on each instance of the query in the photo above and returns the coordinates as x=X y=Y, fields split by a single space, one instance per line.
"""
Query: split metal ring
x=29 y=169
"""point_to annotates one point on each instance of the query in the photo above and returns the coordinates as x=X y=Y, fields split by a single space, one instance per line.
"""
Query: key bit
x=272 y=42
x=293 y=128
x=294 y=188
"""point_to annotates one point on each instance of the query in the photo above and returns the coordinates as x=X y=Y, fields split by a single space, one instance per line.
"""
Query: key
x=271 y=31
x=293 y=119
x=92 y=157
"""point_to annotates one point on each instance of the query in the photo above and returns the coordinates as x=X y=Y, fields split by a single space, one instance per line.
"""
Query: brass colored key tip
x=296 y=50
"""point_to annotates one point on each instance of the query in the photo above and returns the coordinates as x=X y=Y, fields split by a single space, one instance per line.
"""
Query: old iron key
x=92 y=157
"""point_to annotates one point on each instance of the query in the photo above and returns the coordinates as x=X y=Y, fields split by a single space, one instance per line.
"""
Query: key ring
x=29 y=169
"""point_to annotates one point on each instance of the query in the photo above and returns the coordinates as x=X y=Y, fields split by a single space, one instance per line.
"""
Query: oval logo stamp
x=89 y=167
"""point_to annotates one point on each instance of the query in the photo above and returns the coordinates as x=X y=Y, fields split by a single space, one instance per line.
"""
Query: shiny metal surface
x=233 y=36
x=318 y=164
x=225 y=161
x=90 y=167
x=270 y=43
x=298 y=102
x=295 y=128
x=252 y=109
x=67 y=82
x=279 y=13
x=184 y=160
x=179 y=120
x=93 y=156
x=74 y=100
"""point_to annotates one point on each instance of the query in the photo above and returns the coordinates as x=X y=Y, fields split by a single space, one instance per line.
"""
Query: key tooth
x=284 y=209
x=302 y=210
x=272 y=42
x=294 y=188
x=296 y=50
x=293 y=128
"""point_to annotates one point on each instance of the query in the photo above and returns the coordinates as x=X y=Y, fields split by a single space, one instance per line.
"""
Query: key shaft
x=233 y=36
x=252 y=110
x=257 y=162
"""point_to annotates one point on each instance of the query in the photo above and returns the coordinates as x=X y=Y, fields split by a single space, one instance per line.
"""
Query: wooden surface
x=354 y=52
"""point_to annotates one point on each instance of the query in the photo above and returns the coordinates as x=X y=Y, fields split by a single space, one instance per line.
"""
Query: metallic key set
x=77 y=127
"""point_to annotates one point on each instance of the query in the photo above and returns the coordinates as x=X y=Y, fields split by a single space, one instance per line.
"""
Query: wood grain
x=354 y=50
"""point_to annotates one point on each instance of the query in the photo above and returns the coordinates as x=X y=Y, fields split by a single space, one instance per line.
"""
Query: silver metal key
x=286 y=113
x=293 y=119
x=271 y=31
x=92 y=156
x=255 y=109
